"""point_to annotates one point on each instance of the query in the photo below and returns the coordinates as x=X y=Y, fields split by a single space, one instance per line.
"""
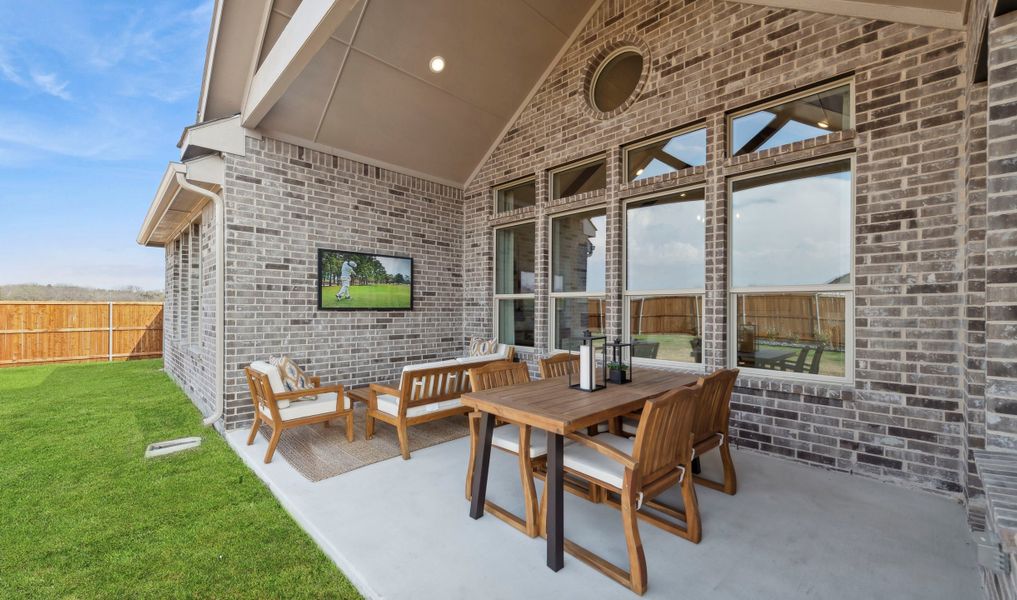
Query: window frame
x=494 y=282
x=600 y=157
x=667 y=135
x=595 y=77
x=626 y=294
x=511 y=184
x=553 y=296
x=194 y=274
x=848 y=289
x=783 y=99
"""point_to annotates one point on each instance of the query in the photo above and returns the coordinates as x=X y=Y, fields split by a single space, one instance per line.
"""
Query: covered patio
x=390 y=215
x=400 y=529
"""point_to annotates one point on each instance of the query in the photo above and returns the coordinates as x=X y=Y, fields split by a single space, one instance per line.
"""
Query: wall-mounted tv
x=358 y=281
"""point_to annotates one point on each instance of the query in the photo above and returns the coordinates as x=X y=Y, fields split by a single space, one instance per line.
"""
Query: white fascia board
x=209 y=169
x=160 y=204
x=222 y=135
x=309 y=28
x=210 y=46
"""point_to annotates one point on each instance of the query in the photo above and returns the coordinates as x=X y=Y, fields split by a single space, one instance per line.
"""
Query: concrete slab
x=400 y=529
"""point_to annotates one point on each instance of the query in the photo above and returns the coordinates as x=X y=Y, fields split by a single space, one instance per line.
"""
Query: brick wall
x=190 y=361
x=283 y=202
x=902 y=418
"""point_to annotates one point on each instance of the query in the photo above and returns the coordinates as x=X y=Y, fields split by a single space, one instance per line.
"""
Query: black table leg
x=696 y=468
x=480 y=467
x=555 y=502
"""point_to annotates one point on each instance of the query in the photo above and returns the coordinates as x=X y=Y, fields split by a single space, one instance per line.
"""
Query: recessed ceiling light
x=437 y=64
x=823 y=124
x=639 y=172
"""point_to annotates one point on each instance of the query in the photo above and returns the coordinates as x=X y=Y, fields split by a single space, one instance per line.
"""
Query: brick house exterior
x=934 y=376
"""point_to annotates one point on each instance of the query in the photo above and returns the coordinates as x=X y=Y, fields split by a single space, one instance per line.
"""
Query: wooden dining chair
x=638 y=470
x=511 y=438
x=558 y=365
x=711 y=426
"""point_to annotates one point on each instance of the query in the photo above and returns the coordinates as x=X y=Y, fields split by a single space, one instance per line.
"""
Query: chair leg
x=637 y=559
x=349 y=426
x=730 y=479
x=369 y=427
x=474 y=423
x=254 y=429
x=276 y=433
x=693 y=525
x=404 y=441
x=526 y=478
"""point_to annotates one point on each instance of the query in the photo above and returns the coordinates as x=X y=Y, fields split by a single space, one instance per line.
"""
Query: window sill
x=766 y=379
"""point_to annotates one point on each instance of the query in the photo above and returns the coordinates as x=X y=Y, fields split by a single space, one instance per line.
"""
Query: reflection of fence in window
x=665 y=314
x=795 y=317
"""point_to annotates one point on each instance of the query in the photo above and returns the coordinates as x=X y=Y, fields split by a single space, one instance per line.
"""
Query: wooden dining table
x=551 y=405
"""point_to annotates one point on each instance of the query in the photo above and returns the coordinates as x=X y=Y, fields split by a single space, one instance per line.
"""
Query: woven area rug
x=318 y=452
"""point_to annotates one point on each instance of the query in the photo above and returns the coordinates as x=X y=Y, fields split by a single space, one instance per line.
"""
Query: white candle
x=585 y=372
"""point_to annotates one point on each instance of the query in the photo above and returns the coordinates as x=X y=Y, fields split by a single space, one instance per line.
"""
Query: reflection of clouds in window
x=665 y=246
x=745 y=128
x=689 y=149
x=793 y=232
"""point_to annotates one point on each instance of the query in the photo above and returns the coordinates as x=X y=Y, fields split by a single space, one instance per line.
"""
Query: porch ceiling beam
x=309 y=28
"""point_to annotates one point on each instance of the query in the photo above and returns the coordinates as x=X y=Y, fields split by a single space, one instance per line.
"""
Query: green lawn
x=395 y=295
x=85 y=516
x=676 y=347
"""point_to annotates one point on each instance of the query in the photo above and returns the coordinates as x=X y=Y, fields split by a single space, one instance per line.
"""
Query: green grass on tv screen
x=385 y=295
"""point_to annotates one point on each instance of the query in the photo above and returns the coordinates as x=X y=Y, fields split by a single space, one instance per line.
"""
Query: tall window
x=194 y=286
x=791 y=253
x=519 y=194
x=579 y=178
x=578 y=263
x=665 y=154
x=793 y=119
x=665 y=275
x=515 y=249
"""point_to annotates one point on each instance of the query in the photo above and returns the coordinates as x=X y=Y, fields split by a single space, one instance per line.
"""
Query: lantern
x=619 y=369
x=588 y=364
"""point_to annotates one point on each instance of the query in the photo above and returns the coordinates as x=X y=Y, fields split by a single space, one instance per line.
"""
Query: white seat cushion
x=588 y=461
x=430 y=365
x=630 y=426
x=324 y=403
x=506 y=437
x=389 y=404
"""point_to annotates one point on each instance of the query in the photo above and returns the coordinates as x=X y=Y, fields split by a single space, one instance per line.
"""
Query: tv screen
x=358 y=281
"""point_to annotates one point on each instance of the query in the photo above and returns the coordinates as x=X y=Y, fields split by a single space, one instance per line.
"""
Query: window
x=515 y=195
x=578 y=277
x=665 y=275
x=194 y=285
x=665 y=154
x=794 y=119
x=791 y=280
x=616 y=79
x=514 y=278
x=579 y=178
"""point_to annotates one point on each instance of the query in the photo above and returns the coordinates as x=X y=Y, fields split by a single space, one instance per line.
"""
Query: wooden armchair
x=711 y=426
x=558 y=365
x=282 y=410
x=511 y=438
x=638 y=470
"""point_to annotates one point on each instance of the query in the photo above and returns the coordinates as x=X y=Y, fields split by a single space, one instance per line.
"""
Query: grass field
x=85 y=516
x=395 y=296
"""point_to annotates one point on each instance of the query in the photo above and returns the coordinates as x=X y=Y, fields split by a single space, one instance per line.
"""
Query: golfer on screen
x=345 y=275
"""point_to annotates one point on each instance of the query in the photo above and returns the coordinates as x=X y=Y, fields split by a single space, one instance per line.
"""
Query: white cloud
x=49 y=83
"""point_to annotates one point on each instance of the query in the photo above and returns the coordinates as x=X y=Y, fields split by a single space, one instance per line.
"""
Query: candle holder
x=588 y=364
x=619 y=370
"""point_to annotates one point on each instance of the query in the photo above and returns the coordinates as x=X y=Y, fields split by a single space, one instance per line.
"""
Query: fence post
x=111 y=332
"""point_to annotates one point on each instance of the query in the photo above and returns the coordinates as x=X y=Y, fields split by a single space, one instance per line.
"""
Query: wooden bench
x=424 y=393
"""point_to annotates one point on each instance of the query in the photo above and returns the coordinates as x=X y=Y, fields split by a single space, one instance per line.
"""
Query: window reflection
x=792 y=121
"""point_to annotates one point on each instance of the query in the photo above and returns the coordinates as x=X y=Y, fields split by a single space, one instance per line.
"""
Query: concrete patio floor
x=400 y=529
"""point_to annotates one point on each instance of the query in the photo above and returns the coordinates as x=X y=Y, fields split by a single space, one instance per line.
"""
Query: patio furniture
x=799 y=365
x=638 y=470
x=711 y=427
x=765 y=358
x=426 y=392
x=550 y=405
x=281 y=409
x=697 y=349
x=511 y=438
x=641 y=349
x=558 y=365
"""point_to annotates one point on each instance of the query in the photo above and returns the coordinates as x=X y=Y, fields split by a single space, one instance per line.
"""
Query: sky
x=93 y=98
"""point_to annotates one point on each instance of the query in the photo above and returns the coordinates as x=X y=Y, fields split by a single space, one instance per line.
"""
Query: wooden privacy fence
x=53 y=332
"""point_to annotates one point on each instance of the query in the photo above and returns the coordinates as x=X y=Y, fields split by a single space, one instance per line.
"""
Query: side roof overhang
x=173 y=206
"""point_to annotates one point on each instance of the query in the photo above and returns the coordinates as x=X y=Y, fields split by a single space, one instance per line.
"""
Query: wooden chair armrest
x=609 y=451
x=379 y=388
x=298 y=394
